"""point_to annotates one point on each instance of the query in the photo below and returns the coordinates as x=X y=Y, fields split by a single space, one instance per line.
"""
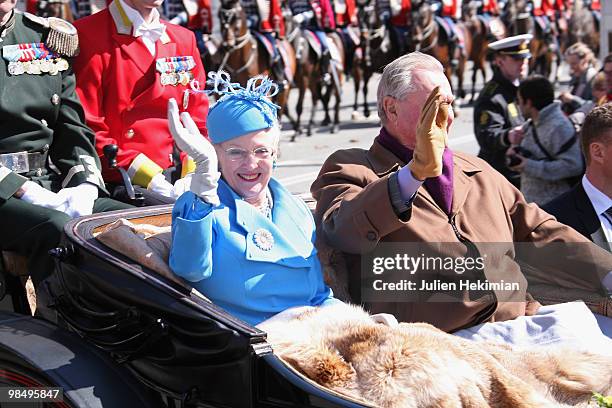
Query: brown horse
x=432 y=40
x=55 y=8
x=335 y=88
x=376 y=51
x=481 y=37
x=308 y=78
x=243 y=56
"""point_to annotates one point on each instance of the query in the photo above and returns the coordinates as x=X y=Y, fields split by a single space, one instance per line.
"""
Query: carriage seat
x=149 y=245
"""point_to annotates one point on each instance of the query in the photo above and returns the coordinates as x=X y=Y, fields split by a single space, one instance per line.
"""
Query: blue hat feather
x=239 y=110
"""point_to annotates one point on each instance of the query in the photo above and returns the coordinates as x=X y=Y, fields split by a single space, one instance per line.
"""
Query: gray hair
x=397 y=78
x=581 y=51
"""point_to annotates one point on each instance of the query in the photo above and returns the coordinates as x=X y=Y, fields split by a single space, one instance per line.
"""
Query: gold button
x=55 y=99
x=44 y=122
x=130 y=133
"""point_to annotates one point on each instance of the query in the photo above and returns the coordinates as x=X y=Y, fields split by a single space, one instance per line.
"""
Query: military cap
x=515 y=46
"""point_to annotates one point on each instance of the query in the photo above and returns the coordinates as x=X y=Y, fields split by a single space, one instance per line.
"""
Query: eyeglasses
x=238 y=154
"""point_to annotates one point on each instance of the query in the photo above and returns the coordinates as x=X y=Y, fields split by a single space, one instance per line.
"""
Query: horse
x=431 y=39
x=582 y=27
x=55 y=8
x=244 y=56
x=335 y=87
x=309 y=77
x=376 y=51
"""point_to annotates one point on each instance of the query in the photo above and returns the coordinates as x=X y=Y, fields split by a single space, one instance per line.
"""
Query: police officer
x=49 y=170
x=498 y=123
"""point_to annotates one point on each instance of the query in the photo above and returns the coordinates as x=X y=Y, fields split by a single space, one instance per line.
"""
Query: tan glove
x=431 y=137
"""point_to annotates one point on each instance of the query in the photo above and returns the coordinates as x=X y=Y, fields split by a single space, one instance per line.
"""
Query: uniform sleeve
x=353 y=214
x=89 y=67
x=490 y=126
x=72 y=150
x=551 y=252
x=10 y=182
x=192 y=238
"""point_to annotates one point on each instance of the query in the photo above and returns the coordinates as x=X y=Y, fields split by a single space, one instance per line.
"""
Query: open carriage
x=130 y=336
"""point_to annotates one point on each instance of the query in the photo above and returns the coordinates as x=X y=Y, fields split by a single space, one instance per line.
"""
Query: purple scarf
x=441 y=187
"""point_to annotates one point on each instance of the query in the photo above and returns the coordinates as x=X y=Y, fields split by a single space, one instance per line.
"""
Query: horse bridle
x=427 y=31
x=227 y=16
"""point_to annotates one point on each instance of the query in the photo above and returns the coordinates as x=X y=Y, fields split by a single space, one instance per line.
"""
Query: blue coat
x=215 y=248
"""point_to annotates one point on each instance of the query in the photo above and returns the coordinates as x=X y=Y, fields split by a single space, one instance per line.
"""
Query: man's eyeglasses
x=238 y=154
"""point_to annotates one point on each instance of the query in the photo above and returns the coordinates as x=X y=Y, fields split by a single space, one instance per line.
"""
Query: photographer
x=548 y=157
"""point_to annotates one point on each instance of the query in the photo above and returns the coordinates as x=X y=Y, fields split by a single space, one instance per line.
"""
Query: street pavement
x=300 y=161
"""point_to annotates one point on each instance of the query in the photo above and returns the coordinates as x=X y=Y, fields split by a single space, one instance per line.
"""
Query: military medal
x=175 y=70
x=263 y=239
x=32 y=59
x=62 y=64
x=45 y=65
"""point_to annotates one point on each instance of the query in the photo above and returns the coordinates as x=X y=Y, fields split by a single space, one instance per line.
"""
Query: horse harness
x=241 y=42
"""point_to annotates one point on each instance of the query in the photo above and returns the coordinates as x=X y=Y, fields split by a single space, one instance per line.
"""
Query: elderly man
x=366 y=198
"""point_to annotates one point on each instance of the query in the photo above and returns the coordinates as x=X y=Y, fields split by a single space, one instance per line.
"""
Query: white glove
x=37 y=195
x=188 y=139
x=302 y=17
x=79 y=199
x=159 y=185
x=181 y=185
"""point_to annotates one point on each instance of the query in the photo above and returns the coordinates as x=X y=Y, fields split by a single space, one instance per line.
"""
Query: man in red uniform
x=451 y=13
x=396 y=13
x=265 y=17
x=345 y=13
x=130 y=64
x=196 y=15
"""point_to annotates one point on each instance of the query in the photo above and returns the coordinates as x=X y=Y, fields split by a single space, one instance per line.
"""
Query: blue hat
x=240 y=110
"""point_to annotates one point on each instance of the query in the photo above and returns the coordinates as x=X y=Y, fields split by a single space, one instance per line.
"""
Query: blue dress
x=225 y=252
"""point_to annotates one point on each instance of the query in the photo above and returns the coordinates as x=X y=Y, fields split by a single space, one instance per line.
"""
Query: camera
x=512 y=160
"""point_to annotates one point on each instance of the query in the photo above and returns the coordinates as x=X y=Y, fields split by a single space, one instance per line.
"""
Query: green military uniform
x=495 y=113
x=43 y=137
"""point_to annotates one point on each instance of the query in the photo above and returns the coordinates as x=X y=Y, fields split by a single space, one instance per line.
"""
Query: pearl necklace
x=266 y=207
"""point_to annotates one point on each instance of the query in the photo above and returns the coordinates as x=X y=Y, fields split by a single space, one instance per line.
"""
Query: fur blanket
x=416 y=365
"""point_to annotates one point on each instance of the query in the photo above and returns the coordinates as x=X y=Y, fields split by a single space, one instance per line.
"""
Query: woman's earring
x=274 y=165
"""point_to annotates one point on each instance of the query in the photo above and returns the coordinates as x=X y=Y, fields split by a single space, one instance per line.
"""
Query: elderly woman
x=238 y=234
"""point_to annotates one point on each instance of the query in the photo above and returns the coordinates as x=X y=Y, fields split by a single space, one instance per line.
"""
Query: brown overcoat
x=354 y=214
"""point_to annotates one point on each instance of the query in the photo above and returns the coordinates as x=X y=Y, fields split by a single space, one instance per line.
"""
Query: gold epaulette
x=62 y=38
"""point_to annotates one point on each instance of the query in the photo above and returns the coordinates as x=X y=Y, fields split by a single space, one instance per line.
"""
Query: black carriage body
x=169 y=337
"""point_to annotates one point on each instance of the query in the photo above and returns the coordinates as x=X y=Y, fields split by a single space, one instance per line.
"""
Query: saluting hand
x=189 y=139
x=431 y=137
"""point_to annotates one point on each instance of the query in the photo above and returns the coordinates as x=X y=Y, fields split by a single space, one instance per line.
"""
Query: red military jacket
x=120 y=87
x=271 y=17
x=401 y=15
x=544 y=8
x=200 y=15
x=451 y=8
x=324 y=14
x=346 y=12
x=490 y=7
